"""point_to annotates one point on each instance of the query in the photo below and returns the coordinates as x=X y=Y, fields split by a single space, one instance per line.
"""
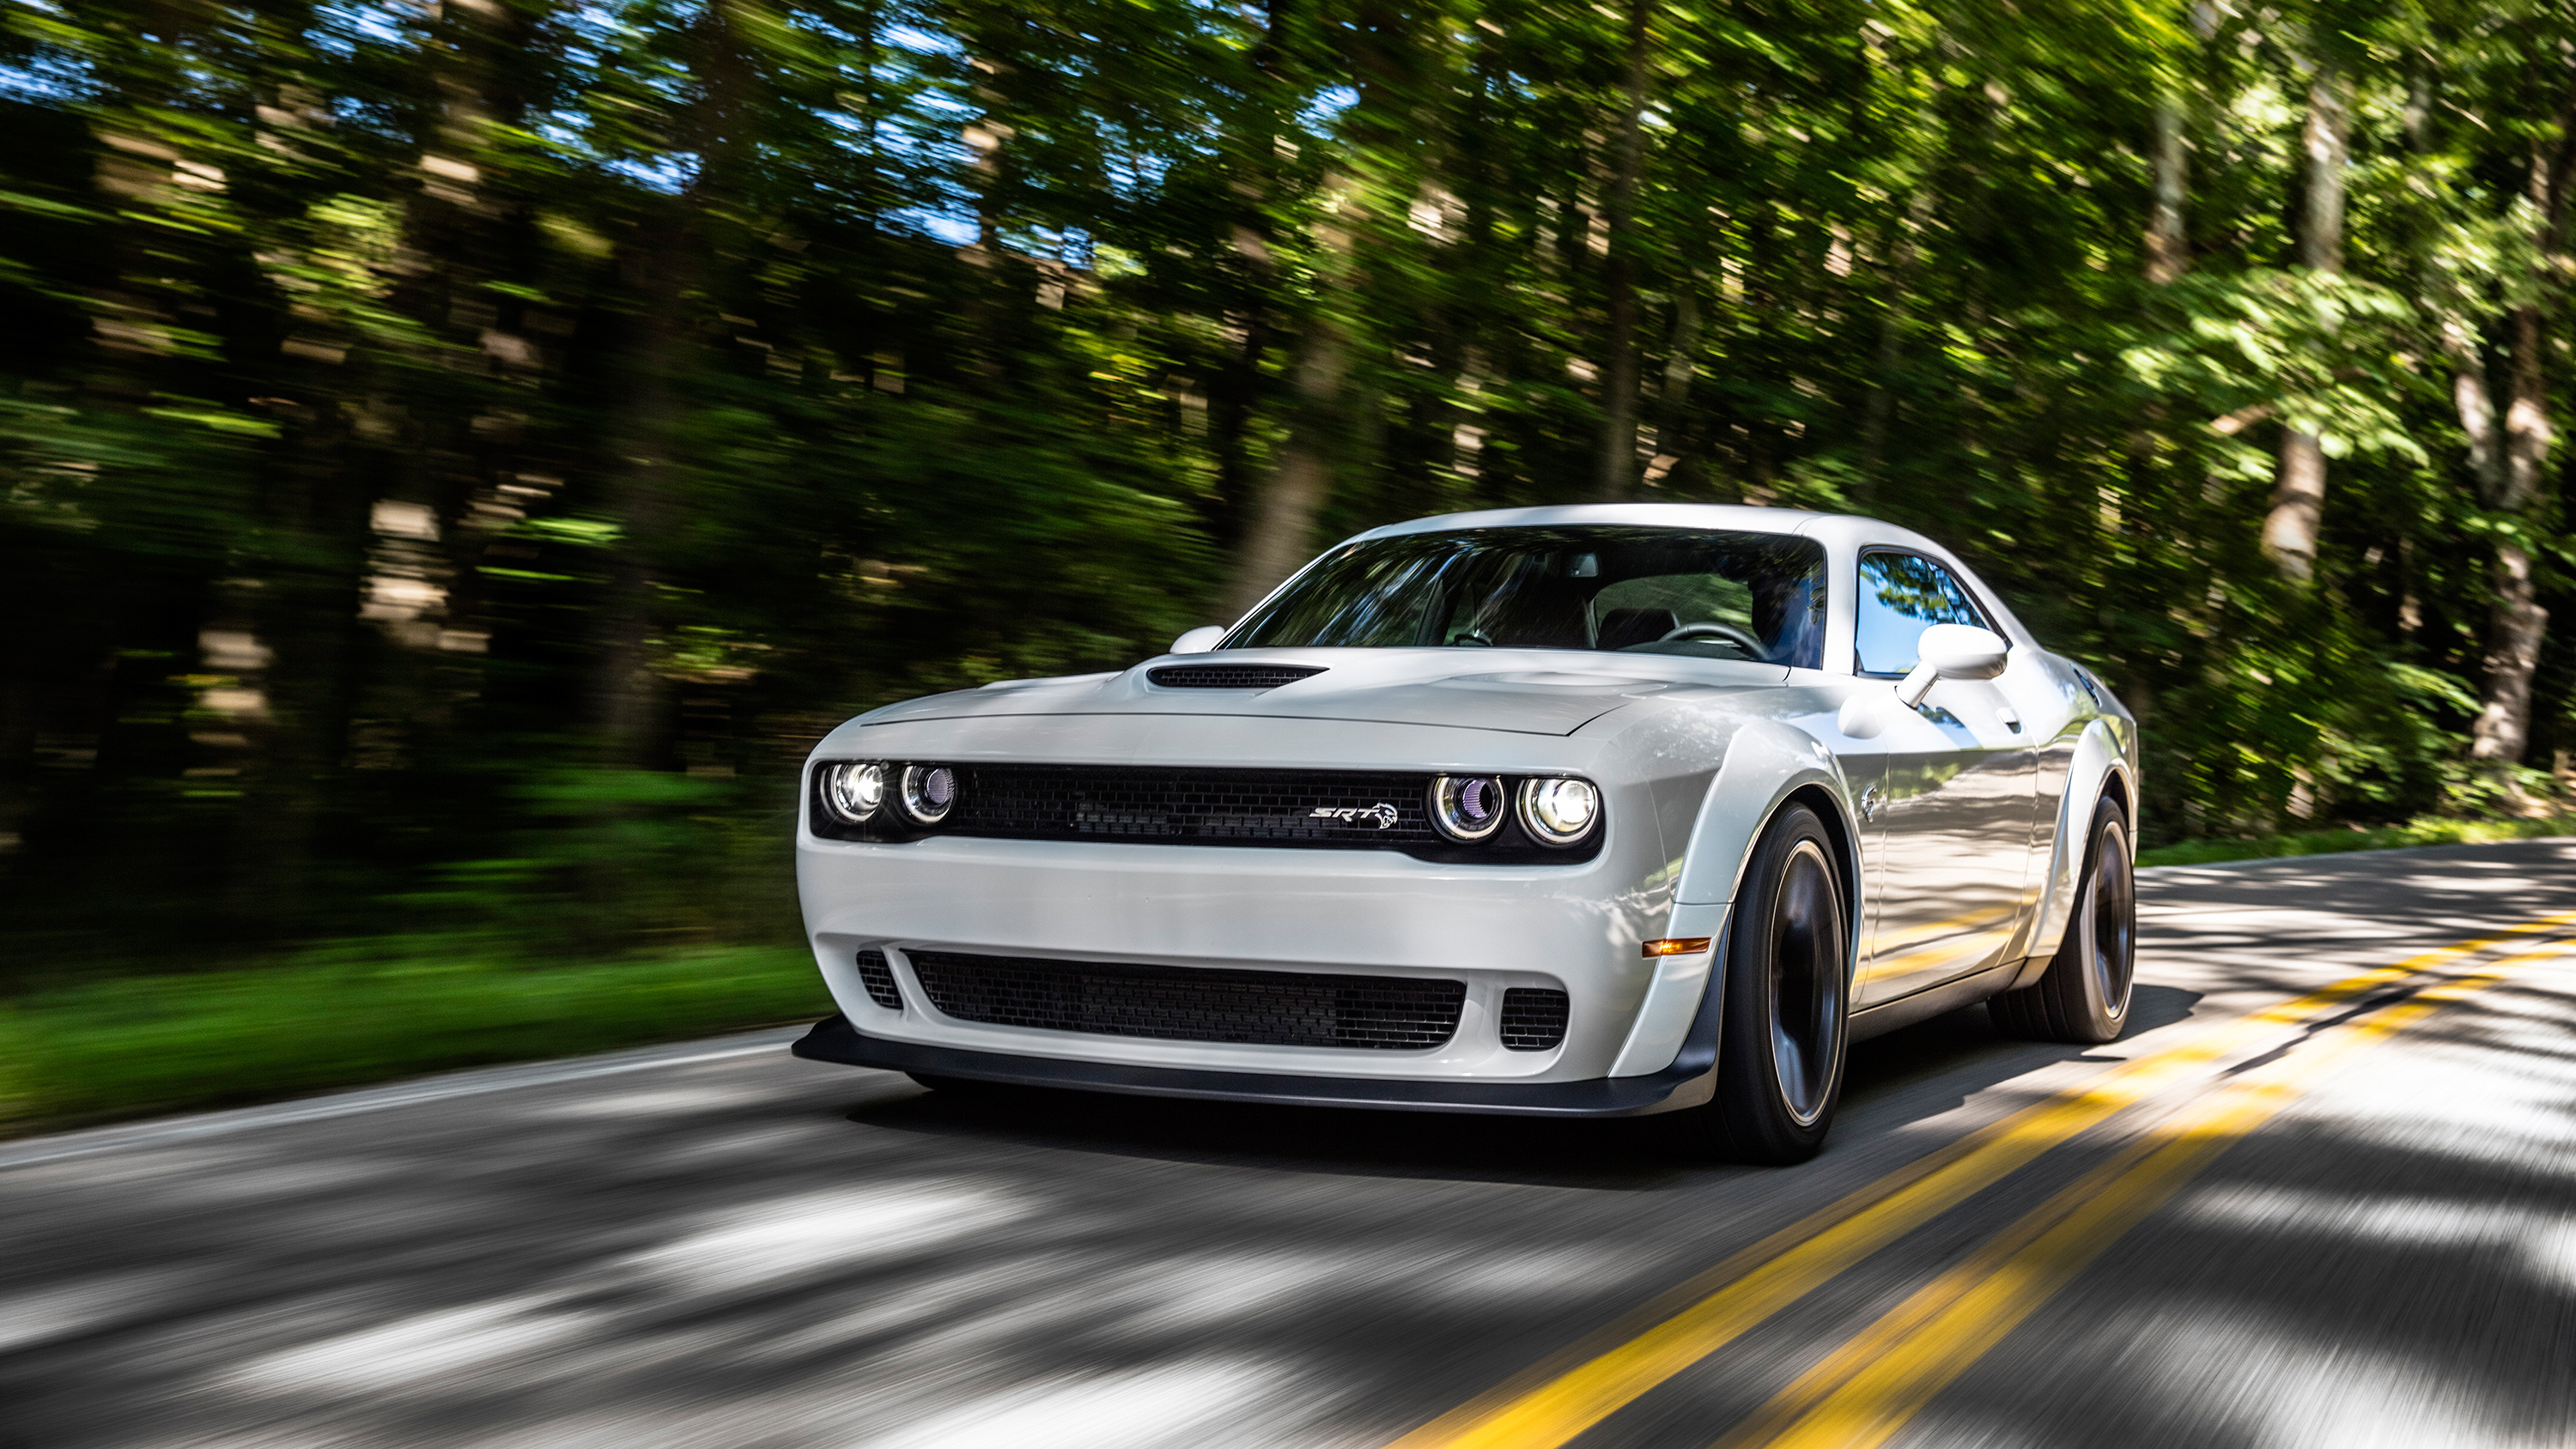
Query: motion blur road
x=2306 y=1200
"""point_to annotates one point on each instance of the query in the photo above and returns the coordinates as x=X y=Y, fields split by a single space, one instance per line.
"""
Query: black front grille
x=878 y=977
x=1097 y=802
x=1230 y=676
x=1271 y=1008
x=1533 y=1019
x=1136 y=804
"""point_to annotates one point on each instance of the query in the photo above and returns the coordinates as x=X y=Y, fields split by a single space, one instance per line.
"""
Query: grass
x=2331 y=842
x=139 y=1045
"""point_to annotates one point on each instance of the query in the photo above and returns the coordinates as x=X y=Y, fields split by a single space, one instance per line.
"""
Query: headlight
x=928 y=793
x=853 y=792
x=1559 y=811
x=1468 y=807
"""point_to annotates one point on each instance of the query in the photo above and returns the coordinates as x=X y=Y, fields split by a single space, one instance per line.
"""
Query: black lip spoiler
x=1688 y=1082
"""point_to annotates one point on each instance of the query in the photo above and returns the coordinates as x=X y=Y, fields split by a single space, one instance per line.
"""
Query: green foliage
x=454 y=461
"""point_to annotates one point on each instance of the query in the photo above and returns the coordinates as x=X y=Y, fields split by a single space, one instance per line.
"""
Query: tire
x=2084 y=997
x=1786 y=1011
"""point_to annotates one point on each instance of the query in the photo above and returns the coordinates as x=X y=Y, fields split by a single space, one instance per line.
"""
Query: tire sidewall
x=1752 y=1112
x=2105 y=1020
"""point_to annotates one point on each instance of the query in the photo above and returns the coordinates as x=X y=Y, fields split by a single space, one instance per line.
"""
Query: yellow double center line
x=1865 y=1390
x=1571 y=1391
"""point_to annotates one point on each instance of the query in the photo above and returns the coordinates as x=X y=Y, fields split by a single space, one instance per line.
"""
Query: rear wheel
x=2084 y=998
x=1781 y=1039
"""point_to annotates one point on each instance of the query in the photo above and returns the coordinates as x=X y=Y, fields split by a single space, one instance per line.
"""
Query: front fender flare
x=1765 y=764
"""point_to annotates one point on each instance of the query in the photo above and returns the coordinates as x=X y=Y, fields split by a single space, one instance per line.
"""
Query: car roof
x=1849 y=530
x=1739 y=517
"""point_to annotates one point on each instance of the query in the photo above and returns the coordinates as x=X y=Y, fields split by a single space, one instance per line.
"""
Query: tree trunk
x=2517 y=622
x=2515 y=626
x=1237 y=393
x=1616 y=470
x=668 y=272
x=1280 y=531
x=1673 y=466
x=2299 y=495
x=1278 y=511
x=2168 y=245
x=627 y=693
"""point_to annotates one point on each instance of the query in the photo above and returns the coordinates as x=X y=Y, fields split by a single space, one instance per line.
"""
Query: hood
x=1524 y=691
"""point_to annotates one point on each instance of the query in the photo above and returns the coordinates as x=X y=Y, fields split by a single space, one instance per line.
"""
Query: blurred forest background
x=456 y=457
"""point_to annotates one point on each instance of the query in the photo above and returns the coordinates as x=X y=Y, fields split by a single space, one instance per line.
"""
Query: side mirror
x=1952 y=651
x=1199 y=640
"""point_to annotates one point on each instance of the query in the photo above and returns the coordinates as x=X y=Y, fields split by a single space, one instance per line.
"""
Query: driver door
x=1953 y=813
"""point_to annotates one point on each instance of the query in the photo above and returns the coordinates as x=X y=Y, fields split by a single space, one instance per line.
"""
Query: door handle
x=2011 y=720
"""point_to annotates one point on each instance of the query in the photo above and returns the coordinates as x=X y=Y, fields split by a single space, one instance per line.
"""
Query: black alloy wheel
x=2084 y=997
x=1781 y=1038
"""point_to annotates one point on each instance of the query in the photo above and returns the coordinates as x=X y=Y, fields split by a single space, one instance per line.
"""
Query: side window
x=1901 y=595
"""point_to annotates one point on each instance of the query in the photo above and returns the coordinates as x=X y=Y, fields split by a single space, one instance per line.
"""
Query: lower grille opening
x=1269 y=1008
x=878 y=977
x=1533 y=1019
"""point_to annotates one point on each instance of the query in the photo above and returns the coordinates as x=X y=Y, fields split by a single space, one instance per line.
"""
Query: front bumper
x=1574 y=927
x=1688 y=1082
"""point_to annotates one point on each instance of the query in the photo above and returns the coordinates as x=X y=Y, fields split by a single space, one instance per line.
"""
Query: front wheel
x=2084 y=998
x=1781 y=1036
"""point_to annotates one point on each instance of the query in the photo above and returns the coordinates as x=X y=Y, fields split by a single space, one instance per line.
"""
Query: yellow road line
x=1867 y=1389
x=1910 y=1317
x=1579 y=1386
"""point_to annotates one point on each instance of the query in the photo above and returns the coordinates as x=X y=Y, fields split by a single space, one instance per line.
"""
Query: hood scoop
x=1230 y=676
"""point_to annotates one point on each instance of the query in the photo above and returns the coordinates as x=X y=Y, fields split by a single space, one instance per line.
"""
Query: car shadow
x=1934 y=1066
x=1904 y=1076
x=1607 y=1156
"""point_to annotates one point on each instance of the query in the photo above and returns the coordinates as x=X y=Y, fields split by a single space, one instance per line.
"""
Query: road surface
x=2324 y=1193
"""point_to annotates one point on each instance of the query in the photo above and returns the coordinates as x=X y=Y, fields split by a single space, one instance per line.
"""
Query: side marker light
x=1675 y=946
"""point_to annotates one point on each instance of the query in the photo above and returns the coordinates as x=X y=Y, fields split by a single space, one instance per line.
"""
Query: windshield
x=1757 y=596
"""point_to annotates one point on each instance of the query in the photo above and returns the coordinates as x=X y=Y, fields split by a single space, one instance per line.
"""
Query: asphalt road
x=2265 y=1217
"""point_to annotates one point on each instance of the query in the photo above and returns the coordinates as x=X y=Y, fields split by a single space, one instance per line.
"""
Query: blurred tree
x=453 y=462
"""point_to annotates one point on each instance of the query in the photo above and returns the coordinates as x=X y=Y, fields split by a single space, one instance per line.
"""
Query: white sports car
x=1584 y=811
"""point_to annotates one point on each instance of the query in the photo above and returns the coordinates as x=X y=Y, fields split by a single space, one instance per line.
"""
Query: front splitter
x=1687 y=1083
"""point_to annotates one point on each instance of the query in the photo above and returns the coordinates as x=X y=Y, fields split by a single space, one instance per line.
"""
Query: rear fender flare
x=2099 y=761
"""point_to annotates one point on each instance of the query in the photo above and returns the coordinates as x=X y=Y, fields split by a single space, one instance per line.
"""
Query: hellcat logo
x=1380 y=815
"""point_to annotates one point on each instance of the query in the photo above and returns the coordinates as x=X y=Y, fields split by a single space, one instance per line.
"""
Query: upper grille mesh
x=1230 y=676
x=1533 y=1019
x=1109 y=802
x=1272 y=1008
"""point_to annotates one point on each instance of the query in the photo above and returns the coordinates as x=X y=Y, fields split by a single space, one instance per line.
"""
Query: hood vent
x=1230 y=676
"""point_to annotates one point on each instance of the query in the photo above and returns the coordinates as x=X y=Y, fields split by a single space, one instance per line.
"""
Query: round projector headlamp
x=853 y=792
x=929 y=791
x=1559 y=811
x=1468 y=807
